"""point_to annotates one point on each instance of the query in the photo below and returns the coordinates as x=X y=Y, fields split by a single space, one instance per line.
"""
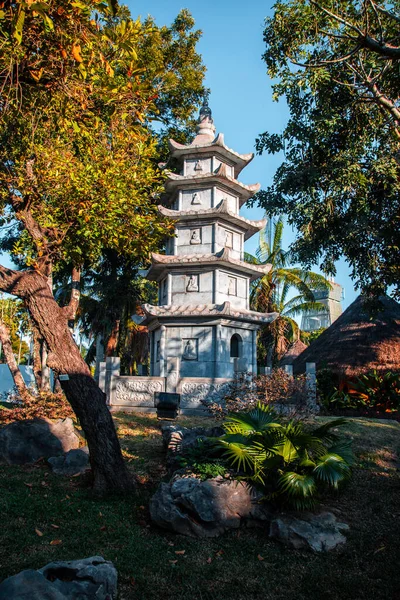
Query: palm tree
x=274 y=293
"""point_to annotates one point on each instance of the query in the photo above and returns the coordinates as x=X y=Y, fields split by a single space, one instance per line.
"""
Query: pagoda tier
x=202 y=146
x=208 y=310
x=220 y=177
x=203 y=326
x=162 y=264
x=221 y=211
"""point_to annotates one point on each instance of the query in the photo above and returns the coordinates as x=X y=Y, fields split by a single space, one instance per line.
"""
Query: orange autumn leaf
x=38 y=532
x=180 y=552
x=76 y=53
x=55 y=542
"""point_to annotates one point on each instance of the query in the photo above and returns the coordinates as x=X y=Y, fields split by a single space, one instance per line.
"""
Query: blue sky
x=241 y=99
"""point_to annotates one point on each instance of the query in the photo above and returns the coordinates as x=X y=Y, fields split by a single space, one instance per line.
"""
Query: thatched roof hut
x=355 y=343
x=292 y=353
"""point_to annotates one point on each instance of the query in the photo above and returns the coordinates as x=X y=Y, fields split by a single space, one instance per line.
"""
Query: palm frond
x=332 y=469
x=256 y=420
x=299 y=489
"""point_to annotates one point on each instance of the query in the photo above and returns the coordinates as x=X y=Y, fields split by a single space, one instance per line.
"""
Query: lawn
x=45 y=517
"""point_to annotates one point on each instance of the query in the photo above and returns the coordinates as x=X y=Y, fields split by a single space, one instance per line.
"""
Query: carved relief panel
x=232 y=286
x=195 y=236
x=190 y=349
x=192 y=283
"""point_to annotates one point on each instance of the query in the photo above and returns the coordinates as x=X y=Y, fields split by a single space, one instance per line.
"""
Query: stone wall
x=202 y=389
x=134 y=392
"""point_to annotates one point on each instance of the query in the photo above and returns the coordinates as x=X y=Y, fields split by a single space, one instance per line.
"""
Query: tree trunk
x=84 y=395
x=37 y=358
x=45 y=387
x=112 y=341
x=12 y=363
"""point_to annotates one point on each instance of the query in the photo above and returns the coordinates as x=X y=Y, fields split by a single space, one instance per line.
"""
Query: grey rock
x=29 y=585
x=178 y=440
x=73 y=462
x=319 y=533
x=24 y=442
x=206 y=508
x=87 y=579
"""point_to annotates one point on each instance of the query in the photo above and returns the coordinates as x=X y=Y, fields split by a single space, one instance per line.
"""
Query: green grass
x=120 y=530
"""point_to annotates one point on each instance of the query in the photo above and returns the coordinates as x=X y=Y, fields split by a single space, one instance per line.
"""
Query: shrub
x=44 y=405
x=279 y=388
x=375 y=390
x=290 y=463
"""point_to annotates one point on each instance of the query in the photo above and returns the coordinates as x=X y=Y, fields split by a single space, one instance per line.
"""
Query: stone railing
x=137 y=393
x=125 y=392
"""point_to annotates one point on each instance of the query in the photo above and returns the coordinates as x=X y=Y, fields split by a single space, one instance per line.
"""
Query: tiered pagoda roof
x=204 y=310
x=179 y=182
x=221 y=210
x=160 y=262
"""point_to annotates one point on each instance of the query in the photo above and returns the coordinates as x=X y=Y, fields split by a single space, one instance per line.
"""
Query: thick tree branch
x=72 y=307
x=385 y=50
x=12 y=363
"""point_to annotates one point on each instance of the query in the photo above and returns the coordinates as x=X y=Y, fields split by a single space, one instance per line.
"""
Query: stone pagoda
x=202 y=330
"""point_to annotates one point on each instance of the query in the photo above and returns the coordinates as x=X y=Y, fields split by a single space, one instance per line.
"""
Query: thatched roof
x=356 y=343
x=293 y=352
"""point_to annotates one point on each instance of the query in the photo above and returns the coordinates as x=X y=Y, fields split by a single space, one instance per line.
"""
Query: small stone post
x=112 y=370
x=102 y=376
x=173 y=372
x=311 y=376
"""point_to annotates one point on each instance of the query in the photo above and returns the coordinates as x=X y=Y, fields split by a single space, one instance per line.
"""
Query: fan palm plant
x=290 y=463
x=274 y=292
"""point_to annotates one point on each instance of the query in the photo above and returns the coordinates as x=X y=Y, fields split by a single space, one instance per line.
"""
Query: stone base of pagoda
x=218 y=349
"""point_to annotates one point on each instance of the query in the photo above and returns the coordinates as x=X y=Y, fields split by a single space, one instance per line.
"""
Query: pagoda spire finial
x=205 y=125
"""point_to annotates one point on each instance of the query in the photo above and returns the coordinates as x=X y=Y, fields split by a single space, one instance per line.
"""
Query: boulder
x=24 y=442
x=87 y=579
x=71 y=463
x=178 y=440
x=320 y=532
x=206 y=508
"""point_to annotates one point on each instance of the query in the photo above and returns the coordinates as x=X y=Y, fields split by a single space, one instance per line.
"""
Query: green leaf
x=19 y=25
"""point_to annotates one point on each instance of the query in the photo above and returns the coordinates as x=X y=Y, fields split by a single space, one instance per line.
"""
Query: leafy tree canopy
x=81 y=86
x=337 y=66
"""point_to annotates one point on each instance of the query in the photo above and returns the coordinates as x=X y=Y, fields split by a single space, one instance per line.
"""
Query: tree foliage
x=78 y=158
x=337 y=66
x=274 y=293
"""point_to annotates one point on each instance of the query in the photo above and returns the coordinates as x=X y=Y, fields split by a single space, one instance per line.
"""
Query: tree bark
x=12 y=363
x=37 y=360
x=84 y=395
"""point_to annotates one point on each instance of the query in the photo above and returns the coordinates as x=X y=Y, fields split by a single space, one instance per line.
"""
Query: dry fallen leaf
x=100 y=514
x=209 y=560
x=29 y=485
x=38 y=532
x=55 y=542
x=219 y=553
x=103 y=528
x=55 y=526
x=260 y=557
x=171 y=544
x=180 y=552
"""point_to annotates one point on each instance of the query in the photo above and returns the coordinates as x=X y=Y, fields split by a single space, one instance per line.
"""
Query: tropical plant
x=273 y=293
x=291 y=463
x=378 y=390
